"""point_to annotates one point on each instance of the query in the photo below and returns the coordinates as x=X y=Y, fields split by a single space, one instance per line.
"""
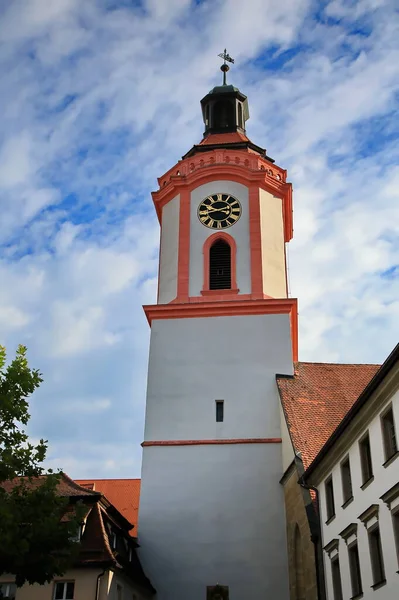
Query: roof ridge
x=304 y=362
x=78 y=487
x=89 y=480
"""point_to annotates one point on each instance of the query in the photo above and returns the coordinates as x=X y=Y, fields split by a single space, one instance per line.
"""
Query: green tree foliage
x=36 y=526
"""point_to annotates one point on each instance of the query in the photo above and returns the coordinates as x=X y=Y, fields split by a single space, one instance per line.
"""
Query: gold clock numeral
x=219 y=211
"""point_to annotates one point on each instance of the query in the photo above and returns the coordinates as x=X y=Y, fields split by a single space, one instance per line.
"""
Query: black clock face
x=219 y=211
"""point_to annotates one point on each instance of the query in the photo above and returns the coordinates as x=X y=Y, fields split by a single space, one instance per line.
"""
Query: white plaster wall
x=194 y=362
x=384 y=479
x=239 y=231
x=169 y=249
x=215 y=513
x=129 y=590
x=273 y=257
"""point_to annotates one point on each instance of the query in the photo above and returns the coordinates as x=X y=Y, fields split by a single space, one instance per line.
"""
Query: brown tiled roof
x=124 y=494
x=67 y=487
x=224 y=138
x=317 y=398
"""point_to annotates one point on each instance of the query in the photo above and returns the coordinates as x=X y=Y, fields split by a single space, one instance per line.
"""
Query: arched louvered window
x=220 y=266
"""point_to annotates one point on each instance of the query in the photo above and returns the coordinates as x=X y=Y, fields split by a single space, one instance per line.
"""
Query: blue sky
x=98 y=99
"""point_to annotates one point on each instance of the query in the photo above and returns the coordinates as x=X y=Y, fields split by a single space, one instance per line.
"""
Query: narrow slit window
x=395 y=524
x=365 y=459
x=377 y=561
x=330 y=506
x=219 y=411
x=220 y=266
x=354 y=567
x=336 y=579
x=347 y=492
x=389 y=434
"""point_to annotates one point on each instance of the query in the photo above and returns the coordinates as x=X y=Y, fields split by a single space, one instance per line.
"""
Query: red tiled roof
x=224 y=138
x=124 y=494
x=66 y=487
x=317 y=398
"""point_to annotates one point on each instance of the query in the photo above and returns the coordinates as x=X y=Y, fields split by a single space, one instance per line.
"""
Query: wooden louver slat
x=220 y=266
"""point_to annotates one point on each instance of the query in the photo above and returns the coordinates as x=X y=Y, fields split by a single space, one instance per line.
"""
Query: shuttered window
x=220 y=266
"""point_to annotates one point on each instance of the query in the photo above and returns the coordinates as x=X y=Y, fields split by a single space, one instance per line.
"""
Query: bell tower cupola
x=224 y=108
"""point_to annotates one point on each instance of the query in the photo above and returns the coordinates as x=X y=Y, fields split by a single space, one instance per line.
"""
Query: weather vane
x=225 y=67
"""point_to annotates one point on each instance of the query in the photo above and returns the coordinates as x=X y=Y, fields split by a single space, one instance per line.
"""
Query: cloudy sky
x=100 y=97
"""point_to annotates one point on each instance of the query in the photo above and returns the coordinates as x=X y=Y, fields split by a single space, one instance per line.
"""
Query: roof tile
x=317 y=398
x=124 y=494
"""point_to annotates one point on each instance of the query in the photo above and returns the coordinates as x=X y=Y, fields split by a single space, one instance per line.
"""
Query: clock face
x=219 y=211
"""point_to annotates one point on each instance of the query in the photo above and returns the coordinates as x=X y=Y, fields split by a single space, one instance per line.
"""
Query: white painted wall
x=194 y=362
x=168 y=254
x=239 y=231
x=215 y=513
x=384 y=479
x=273 y=257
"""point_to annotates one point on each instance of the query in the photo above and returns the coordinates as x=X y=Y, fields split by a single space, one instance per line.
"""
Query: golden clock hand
x=223 y=210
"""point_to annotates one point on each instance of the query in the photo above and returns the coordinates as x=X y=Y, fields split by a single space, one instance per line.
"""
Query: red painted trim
x=232 y=165
x=220 y=235
x=227 y=307
x=255 y=242
x=213 y=442
x=183 y=264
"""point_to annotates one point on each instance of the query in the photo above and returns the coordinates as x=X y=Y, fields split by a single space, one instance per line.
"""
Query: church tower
x=211 y=506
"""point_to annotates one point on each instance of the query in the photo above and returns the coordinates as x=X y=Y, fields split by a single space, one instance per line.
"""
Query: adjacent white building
x=356 y=474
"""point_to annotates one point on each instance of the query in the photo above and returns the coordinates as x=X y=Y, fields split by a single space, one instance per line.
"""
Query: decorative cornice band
x=212 y=442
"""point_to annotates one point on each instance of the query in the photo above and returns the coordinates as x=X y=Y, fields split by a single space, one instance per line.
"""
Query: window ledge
x=219 y=292
x=367 y=483
x=359 y=595
x=330 y=519
x=391 y=459
x=379 y=584
x=347 y=502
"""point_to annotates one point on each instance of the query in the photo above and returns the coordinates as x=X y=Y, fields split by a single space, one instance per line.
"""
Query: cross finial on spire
x=225 y=67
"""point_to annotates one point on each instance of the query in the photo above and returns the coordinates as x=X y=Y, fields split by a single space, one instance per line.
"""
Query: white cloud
x=98 y=103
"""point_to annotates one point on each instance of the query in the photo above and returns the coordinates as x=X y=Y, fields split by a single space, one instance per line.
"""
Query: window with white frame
x=332 y=551
x=346 y=477
x=64 y=590
x=330 y=504
x=391 y=499
x=8 y=590
x=349 y=534
x=389 y=434
x=370 y=520
x=365 y=459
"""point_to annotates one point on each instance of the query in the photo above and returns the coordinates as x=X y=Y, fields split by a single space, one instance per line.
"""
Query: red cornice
x=213 y=442
x=226 y=164
x=224 y=308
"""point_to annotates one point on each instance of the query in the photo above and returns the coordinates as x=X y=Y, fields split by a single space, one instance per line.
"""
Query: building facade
x=211 y=506
x=357 y=475
x=107 y=566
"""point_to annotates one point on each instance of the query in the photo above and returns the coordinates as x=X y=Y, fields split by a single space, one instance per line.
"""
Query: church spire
x=225 y=108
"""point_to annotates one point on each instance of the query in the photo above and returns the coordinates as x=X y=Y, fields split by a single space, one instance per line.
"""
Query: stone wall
x=301 y=563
